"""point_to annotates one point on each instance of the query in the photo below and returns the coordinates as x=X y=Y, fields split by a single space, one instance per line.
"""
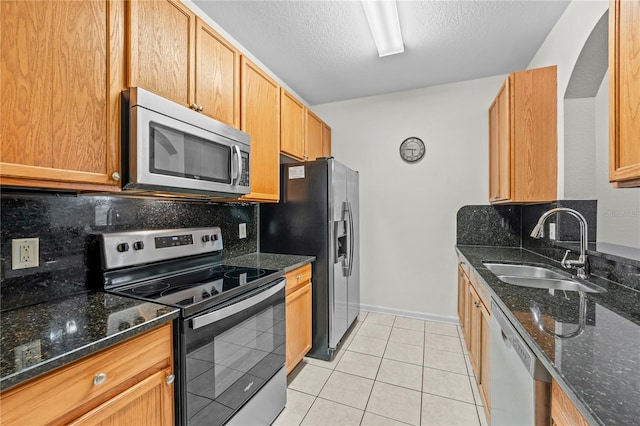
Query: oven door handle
x=223 y=313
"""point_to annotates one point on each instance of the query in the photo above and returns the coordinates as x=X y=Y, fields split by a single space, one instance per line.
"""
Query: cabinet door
x=624 y=103
x=563 y=412
x=313 y=136
x=326 y=140
x=534 y=164
x=261 y=119
x=475 y=331
x=468 y=312
x=60 y=104
x=217 y=76
x=504 y=143
x=494 y=159
x=298 y=316
x=485 y=356
x=292 y=119
x=149 y=402
x=161 y=48
x=462 y=295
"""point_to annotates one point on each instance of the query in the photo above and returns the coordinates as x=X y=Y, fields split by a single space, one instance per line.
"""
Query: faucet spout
x=581 y=264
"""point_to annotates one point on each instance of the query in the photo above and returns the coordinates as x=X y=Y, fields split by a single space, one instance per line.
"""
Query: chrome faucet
x=582 y=263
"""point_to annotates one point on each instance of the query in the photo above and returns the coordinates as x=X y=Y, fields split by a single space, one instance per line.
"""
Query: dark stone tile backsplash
x=489 y=226
x=65 y=224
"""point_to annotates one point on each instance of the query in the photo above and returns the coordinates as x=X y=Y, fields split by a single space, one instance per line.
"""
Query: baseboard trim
x=410 y=314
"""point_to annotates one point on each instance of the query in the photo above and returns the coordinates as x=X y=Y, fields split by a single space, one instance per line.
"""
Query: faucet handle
x=565 y=263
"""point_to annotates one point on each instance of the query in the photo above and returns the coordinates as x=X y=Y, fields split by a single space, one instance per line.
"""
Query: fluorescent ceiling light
x=385 y=25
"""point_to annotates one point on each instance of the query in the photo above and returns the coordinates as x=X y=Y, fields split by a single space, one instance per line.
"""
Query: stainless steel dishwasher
x=520 y=385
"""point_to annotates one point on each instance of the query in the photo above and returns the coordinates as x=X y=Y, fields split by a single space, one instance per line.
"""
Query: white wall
x=562 y=48
x=618 y=209
x=408 y=211
x=579 y=149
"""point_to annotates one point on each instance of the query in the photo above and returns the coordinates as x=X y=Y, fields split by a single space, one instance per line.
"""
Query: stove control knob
x=123 y=247
x=138 y=245
x=205 y=238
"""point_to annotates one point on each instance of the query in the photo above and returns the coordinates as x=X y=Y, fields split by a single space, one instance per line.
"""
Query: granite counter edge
x=284 y=262
x=52 y=364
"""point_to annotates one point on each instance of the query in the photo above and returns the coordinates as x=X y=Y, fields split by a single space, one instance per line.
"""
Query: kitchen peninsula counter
x=599 y=369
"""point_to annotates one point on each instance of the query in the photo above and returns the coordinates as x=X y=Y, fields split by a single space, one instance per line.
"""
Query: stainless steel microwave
x=171 y=149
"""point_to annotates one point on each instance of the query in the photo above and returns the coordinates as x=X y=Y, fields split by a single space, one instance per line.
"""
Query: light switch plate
x=552 y=231
x=242 y=230
x=25 y=253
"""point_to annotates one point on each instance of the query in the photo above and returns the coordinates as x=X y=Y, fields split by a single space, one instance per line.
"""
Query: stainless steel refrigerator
x=318 y=215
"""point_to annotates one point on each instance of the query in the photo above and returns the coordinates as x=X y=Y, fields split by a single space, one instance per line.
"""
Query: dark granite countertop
x=599 y=369
x=66 y=330
x=286 y=262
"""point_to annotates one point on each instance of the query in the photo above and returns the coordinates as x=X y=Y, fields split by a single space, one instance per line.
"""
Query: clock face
x=412 y=150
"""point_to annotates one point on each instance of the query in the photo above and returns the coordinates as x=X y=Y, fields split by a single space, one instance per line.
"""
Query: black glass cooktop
x=201 y=287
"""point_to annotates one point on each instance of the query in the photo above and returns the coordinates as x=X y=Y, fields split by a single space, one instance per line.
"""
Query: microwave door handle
x=238 y=169
x=245 y=304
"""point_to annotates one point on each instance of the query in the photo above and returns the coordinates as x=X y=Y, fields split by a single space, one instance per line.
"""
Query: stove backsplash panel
x=65 y=225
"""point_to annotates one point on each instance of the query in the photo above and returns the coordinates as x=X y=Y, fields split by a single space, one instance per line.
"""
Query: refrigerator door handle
x=351 y=238
x=346 y=266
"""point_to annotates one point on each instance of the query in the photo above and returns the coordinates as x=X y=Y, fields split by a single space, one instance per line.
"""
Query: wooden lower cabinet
x=137 y=387
x=475 y=319
x=563 y=412
x=299 y=315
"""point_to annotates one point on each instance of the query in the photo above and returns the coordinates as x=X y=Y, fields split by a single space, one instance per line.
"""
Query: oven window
x=176 y=153
x=229 y=360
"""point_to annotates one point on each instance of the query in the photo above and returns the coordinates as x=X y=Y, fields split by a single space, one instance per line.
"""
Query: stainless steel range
x=230 y=337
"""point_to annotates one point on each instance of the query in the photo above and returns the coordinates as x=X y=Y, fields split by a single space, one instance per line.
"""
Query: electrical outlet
x=25 y=253
x=242 y=230
x=552 y=231
x=28 y=354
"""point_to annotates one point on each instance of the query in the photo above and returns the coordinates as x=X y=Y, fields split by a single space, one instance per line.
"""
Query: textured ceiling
x=325 y=52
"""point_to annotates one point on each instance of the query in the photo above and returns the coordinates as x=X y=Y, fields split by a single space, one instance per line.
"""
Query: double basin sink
x=537 y=277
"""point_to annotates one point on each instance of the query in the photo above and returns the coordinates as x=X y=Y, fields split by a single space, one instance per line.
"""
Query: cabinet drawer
x=62 y=395
x=482 y=291
x=298 y=277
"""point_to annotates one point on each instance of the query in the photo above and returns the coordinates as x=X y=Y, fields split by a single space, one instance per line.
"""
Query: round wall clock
x=412 y=150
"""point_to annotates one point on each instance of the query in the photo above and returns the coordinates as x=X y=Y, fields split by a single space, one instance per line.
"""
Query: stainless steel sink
x=536 y=277
x=522 y=271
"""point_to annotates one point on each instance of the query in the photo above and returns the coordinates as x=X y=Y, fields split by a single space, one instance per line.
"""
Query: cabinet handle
x=200 y=108
x=170 y=378
x=115 y=176
x=299 y=276
x=194 y=107
x=99 y=379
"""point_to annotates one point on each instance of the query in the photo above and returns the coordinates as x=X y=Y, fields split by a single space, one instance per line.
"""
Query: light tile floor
x=390 y=371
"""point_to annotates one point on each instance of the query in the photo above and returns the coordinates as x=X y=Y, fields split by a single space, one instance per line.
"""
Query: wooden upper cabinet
x=326 y=140
x=162 y=48
x=62 y=70
x=292 y=126
x=313 y=137
x=624 y=92
x=217 y=76
x=523 y=138
x=261 y=119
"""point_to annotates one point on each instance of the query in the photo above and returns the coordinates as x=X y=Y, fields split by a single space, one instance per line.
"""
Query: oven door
x=230 y=353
